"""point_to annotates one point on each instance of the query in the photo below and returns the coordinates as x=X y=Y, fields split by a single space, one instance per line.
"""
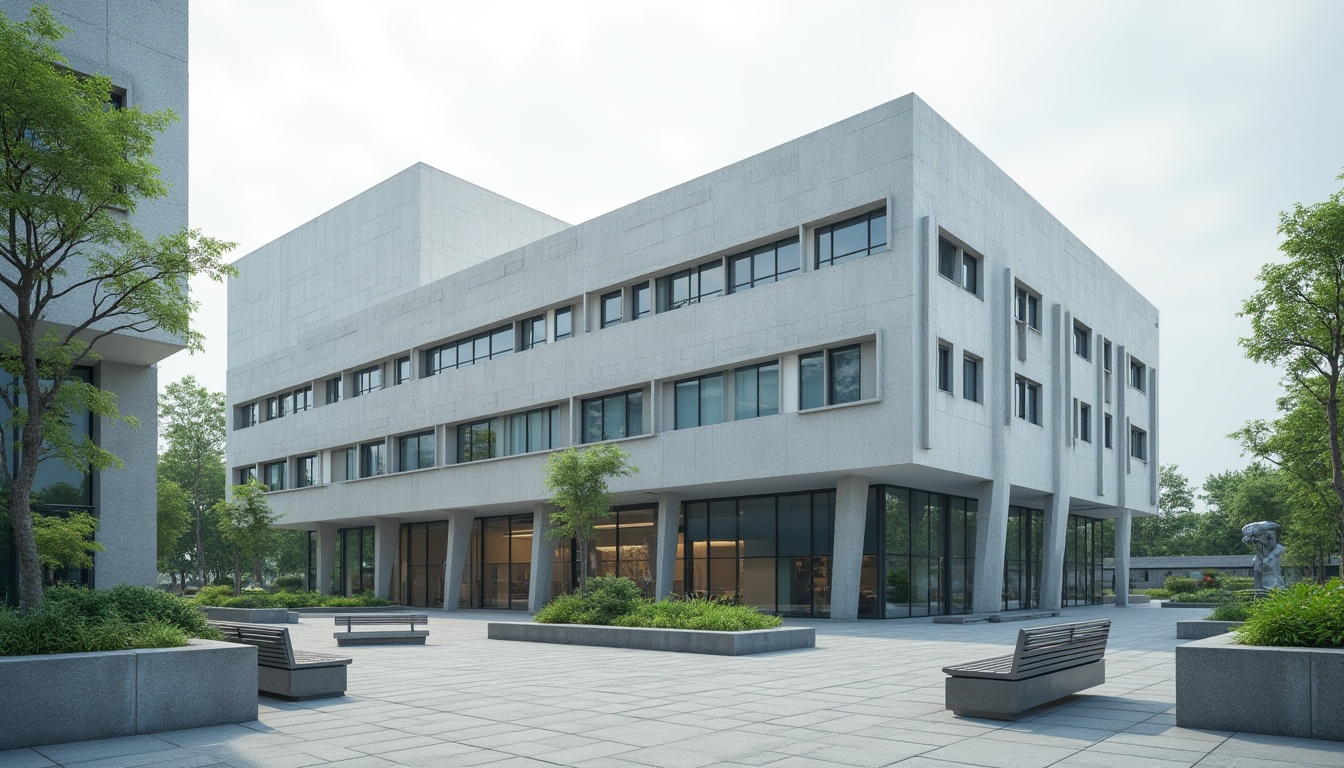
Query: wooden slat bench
x=283 y=672
x=1048 y=663
x=377 y=637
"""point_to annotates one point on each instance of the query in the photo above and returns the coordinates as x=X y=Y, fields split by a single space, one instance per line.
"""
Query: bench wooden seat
x=1048 y=663
x=283 y=672
x=377 y=637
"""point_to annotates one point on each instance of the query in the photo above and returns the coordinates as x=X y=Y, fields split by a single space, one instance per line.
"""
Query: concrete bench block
x=302 y=684
x=1004 y=699
x=382 y=637
x=678 y=640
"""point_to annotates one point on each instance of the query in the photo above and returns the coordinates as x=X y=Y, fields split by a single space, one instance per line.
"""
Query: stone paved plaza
x=869 y=694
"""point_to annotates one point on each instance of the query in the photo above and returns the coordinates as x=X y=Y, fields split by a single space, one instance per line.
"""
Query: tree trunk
x=237 y=574
x=583 y=564
x=256 y=571
x=200 y=546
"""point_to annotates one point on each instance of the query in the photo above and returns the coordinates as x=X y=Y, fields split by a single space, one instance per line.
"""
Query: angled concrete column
x=459 y=550
x=326 y=556
x=851 y=510
x=991 y=535
x=1122 y=556
x=1055 y=540
x=543 y=558
x=665 y=559
x=385 y=533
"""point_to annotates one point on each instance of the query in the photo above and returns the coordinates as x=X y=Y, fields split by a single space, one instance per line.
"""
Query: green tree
x=65 y=541
x=191 y=418
x=1169 y=532
x=74 y=269
x=577 y=481
x=1297 y=320
x=246 y=522
x=174 y=521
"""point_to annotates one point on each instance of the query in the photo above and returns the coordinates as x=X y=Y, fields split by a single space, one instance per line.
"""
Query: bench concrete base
x=56 y=698
x=1198 y=629
x=382 y=637
x=679 y=640
x=1298 y=692
x=302 y=684
x=251 y=615
x=1004 y=699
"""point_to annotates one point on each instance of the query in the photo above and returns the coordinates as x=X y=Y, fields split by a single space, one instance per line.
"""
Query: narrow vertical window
x=845 y=378
x=947 y=259
x=1138 y=443
x=1106 y=430
x=564 y=323
x=1085 y=422
x=611 y=309
x=640 y=304
x=1136 y=375
x=1106 y=355
x=970 y=378
x=1082 y=342
x=811 y=380
x=945 y=367
x=403 y=368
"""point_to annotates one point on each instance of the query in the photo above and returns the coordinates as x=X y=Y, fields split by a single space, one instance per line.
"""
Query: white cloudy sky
x=1167 y=135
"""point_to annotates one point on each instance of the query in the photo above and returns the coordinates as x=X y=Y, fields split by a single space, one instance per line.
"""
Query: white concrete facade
x=425 y=258
x=141 y=45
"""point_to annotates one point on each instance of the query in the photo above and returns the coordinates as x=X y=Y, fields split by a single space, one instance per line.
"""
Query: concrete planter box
x=1205 y=606
x=1198 y=629
x=1254 y=689
x=358 y=609
x=679 y=640
x=251 y=615
x=1133 y=599
x=55 y=698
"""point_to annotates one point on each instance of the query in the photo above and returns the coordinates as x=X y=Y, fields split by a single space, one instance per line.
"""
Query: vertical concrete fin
x=1122 y=530
x=991 y=534
x=459 y=551
x=665 y=558
x=1154 y=468
x=543 y=557
x=923 y=349
x=851 y=510
x=1099 y=421
x=326 y=556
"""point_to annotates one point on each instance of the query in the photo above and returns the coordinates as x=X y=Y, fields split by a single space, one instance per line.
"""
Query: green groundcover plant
x=1305 y=615
x=74 y=620
x=617 y=601
x=223 y=597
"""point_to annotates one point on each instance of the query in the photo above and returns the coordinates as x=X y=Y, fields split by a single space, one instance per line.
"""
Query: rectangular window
x=611 y=309
x=1138 y=443
x=303 y=399
x=640 y=304
x=275 y=407
x=533 y=332
x=1106 y=355
x=1027 y=308
x=305 y=471
x=372 y=459
x=535 y=430
x=1028 y=400
x=960 y=266
x=274 y=474
x=851 y=238
x=247 y=416
x=945 y=367
x=564 y=323
x=690 y=286
x=470 y=350
x=1085 y=422
x=765 y=265
x=756 y=391
x=334 y=387
x=811 y=380
x=351 y=463
x=415 y=451
x=368 y=379
x=1136 y=375
x=613 y=416
x=970 y=378
x=247 y=475
x=478 y=440
x=844 y=375
x=699 y=402
x=1082 y=342
x=1106 y=430
x=402 y=368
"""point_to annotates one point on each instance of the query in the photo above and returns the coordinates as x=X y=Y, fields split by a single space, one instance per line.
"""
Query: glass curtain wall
x=423 y=550
x=927 y=552
x=1089 y=539
x=626 y=546
x=1024 y=550
x=499 y=566
x=354 y=553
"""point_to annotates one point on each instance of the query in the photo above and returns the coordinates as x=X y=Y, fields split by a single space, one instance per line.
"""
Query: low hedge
x=1305 y=615
x=74 y=620
x=1156 y=594
x=617 y=601
x=223 y=597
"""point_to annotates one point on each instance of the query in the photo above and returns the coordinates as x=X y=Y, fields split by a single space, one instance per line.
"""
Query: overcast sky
x=1166 y=135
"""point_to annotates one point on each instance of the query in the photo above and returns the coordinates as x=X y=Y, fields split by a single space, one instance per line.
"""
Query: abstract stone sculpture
x=1264 y=536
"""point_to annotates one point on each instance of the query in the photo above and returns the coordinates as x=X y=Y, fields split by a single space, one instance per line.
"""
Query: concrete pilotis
x=851 y=509
x=326 y=556
x=1055 y=540
x=991 y=533
x=543 y=558
x=385 y=532
x=669 y=516
x=459 y=550
x=1122 y=557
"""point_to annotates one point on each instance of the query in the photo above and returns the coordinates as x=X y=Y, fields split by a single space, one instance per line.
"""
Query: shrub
x=1305 y=615
x=133 y=605
x=565 y=609
x=73 y=620
x=1235 y=607
x=1202 y=596
x=220 y=597
x=1179 y=584
x=223 y=581
x=610 y=597
x=698 y=613
x=1211 y=580
x=1236 y=583
x=288 y=584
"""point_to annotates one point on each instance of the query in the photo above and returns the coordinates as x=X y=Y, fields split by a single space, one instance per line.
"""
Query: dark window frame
x=1107 y=422
x=367 y=380
x=527 y=333
x=695 y=285
x=751 y=258
x=944 y=368
x=1138 y=443
x=401 y=370
x=970 y=377
x=1027 y=400
x=304 y=479
x=739 y=375
x=699 y=419
x=1082 y=341
x=273 y=474
x=303 y=399
x=568 y=314
x=823 y=239
x=960 y=265
x=602 y=425
x=419 y=437
x=373 y=459
x=1138 y=374
x=335 y=389
x=1084 y=422
x=641 y=300
x=467 y=448
x=610 y=301
x=1027 y=307
x=434 y=357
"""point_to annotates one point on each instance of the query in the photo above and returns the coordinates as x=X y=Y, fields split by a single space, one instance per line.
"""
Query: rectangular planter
x=1198 y=629
x=1298 y=692
x=1205 y=606
x=251 y=615
x=55 y=698
x=678 y=640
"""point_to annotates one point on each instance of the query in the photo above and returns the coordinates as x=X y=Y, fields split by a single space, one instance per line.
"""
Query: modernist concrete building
x=862 y=374
x=142 y=46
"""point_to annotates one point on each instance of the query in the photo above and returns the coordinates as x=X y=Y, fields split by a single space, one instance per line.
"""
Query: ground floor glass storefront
x=354 y=558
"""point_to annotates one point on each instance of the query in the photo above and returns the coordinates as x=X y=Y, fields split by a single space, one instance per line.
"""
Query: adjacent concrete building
x=142 y=46
x=862 y=374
